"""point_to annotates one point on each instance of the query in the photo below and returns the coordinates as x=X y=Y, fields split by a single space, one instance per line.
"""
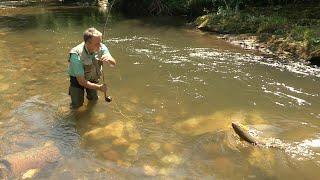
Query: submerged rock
x=171 y=147
x=171 y=159
x=100 y=117
x=120 y=142
x=123 y=163
x=159 y=119
x=133 y=149
x=203 y=124
x=223 y=164
x=154 y=146
x=132 y=131
x=134 y=99
x=114 y=130
x=165 y=171
x=4 y=87
x=111 y=155
x=264 y=159
x=149 y=170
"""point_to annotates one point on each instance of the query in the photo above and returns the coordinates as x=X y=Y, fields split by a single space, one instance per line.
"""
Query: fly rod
x=106 y=98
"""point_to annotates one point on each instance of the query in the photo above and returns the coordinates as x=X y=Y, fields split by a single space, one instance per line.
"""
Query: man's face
x=94 y=44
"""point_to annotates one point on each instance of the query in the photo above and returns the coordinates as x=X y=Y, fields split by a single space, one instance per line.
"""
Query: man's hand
x=108 y=59
x=87 y=84
x=103 y=88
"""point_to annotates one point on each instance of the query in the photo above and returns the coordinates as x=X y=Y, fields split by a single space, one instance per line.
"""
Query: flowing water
x=175 y=93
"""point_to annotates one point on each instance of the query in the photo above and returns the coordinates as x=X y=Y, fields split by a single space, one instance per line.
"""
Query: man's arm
x=87 y=84
x=106 y=57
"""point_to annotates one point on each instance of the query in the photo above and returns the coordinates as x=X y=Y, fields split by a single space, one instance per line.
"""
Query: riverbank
x=288 y=32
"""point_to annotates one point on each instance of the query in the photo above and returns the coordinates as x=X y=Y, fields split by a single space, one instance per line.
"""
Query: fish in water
x=243 y=134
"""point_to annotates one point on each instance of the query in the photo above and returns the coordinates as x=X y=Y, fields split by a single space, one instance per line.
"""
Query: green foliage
x=228 y=21
x=200 y=7
x=273 y=24
x=177 y=5
x=299 y=33
x=164 y=7
x=167 y=7
x=307 y=34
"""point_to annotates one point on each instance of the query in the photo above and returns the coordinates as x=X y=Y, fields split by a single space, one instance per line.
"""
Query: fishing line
x=108 y=15
x=117 y=109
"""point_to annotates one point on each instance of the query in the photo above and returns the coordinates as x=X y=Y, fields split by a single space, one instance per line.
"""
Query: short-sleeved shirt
x=76 y=65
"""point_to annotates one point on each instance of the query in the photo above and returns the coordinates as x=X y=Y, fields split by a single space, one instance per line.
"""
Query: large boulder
x=113 y=130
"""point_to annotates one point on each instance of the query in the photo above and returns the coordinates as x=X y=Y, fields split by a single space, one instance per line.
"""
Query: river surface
x=175 y=93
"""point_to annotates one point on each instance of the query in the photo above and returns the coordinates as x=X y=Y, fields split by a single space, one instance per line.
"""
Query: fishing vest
x=91 y=64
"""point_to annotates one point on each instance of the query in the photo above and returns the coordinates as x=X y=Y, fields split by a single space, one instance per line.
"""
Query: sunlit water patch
x=228 y=64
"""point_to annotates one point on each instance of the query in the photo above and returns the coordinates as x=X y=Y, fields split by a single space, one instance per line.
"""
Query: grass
x=293 y=25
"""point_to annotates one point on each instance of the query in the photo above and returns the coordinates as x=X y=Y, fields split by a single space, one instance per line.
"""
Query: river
x=175 y=93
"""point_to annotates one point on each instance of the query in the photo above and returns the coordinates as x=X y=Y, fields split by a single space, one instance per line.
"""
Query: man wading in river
x=85 y=64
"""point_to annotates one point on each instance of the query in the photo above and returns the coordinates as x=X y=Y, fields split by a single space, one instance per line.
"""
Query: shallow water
x=175 y=93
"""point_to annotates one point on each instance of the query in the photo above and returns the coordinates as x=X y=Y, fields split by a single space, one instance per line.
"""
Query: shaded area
x=52 y=18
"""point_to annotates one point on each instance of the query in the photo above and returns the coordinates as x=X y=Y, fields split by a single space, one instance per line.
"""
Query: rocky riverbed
x=283 y=46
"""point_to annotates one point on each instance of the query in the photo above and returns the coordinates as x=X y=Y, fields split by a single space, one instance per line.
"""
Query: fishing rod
x=106 y=98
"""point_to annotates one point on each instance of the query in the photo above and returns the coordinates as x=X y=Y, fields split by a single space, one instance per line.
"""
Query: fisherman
x=85 y=62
